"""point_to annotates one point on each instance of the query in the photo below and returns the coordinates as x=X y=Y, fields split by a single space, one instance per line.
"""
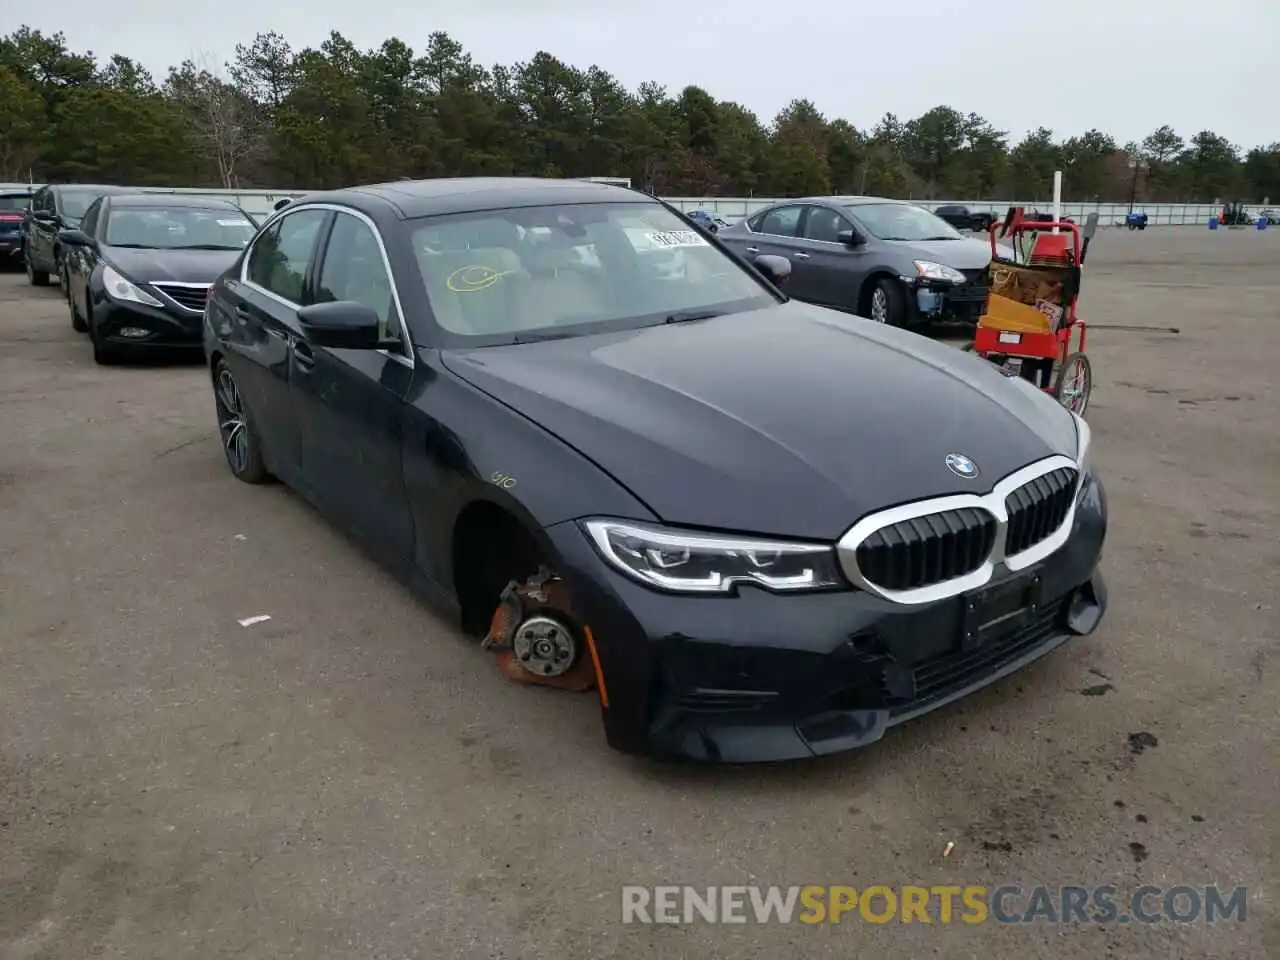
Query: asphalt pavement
x=351 y=778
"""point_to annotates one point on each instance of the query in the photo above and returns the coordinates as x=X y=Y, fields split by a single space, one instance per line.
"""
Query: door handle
x=243 y=314
x=303 y=355
x=801 y=256
x=753 y=249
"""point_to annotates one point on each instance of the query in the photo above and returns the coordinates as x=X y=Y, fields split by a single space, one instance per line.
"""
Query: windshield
x=178 y=228
x=14 y=202
x=902 y=221
x=536 y=272
x=74 y=203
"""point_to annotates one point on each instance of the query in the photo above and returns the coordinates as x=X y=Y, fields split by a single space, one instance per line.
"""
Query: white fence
x=1162 y=214
x=260 y=202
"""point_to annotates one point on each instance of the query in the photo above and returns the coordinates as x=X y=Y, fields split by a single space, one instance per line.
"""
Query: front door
x=834 y=270
x=352 y=403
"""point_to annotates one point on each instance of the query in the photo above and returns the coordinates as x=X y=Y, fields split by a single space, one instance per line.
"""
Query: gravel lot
x=351 y=778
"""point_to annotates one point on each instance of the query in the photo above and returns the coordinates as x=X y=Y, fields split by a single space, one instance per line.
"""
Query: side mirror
x=74 y=238
x=344 y=324
x=44 y=216
x=777 y=269
x=849 y=238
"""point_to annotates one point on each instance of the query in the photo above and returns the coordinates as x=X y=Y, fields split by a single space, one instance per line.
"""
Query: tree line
x=337 y=115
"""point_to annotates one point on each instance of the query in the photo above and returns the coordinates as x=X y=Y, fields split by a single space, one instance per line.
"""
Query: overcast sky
x=1123 y=66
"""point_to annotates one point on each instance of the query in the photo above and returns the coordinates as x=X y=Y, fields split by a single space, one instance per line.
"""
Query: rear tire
x=235 y=429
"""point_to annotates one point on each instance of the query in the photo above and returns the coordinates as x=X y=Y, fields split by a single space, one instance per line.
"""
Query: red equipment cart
x=1029 y=325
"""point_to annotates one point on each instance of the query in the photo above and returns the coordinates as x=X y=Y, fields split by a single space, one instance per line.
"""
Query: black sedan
x=139 y=269
x=760 y=529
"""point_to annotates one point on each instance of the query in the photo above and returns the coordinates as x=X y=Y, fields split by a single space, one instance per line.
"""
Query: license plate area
x=998 y=610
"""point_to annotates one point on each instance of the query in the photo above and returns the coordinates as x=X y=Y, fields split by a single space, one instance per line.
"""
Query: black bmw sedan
x=139 y=268
x=759 y=529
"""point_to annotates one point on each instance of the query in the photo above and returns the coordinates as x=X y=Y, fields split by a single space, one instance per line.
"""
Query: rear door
x=40 y=230
x=351 y=403
x=264 y=300
x=779 y=233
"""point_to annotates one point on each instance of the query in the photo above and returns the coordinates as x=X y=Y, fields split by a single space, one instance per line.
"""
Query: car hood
x=178 y=266
x=963 y=254
x=791 y=420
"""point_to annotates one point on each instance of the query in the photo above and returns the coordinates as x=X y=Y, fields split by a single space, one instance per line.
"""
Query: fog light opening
x=1085 y=610
x=133 y=333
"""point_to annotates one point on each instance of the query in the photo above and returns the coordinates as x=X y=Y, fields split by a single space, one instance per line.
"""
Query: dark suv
x=14 y=200
x=55 y=207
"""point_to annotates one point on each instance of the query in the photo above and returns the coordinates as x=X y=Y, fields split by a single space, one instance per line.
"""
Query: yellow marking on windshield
x=475 y=277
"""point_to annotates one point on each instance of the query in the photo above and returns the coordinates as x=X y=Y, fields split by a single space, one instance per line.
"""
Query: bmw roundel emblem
x=961 y=466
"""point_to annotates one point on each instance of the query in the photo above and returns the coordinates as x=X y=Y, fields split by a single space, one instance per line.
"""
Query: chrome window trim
x=406 y=355
x=993 y=502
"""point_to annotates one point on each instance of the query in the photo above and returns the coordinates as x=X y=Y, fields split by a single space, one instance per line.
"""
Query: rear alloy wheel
x=238 y=442
x=888 y=304
x=1075 y=383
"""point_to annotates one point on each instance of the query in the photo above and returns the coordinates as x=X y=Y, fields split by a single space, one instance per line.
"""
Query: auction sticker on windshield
x=234 y=223
x=677 y=238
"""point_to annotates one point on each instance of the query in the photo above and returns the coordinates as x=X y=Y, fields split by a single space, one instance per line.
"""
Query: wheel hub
x=544 y=646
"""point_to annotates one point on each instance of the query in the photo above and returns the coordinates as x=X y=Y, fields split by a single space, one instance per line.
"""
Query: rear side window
x=14 y=202
x=281 y=257
x=782 y=222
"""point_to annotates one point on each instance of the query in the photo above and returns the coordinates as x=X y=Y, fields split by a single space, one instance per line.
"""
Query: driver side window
x=825 y=225
x=354 y=269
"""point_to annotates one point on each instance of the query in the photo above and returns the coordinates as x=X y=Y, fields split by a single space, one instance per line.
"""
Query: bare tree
x=225 y=121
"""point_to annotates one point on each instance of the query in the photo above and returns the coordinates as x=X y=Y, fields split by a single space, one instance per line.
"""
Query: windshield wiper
x=688 y=316
x=202 y=246
x=940 y=238
x=130 y=246
x=538 y=336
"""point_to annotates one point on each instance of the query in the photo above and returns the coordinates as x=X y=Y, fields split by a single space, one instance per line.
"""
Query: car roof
x=424 y=198
x=852 y=201
x=170 y=200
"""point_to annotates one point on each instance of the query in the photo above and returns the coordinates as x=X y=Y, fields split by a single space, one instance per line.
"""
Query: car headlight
x=928 y=270
x=689 y=562
x=118 y=288
x=1084 y=439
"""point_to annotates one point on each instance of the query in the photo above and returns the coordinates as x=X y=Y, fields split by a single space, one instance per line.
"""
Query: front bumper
x=762 y=677
x=162 y=327
x=940 y=301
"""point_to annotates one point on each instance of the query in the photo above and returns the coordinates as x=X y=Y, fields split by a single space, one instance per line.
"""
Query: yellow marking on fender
x=595 y=662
